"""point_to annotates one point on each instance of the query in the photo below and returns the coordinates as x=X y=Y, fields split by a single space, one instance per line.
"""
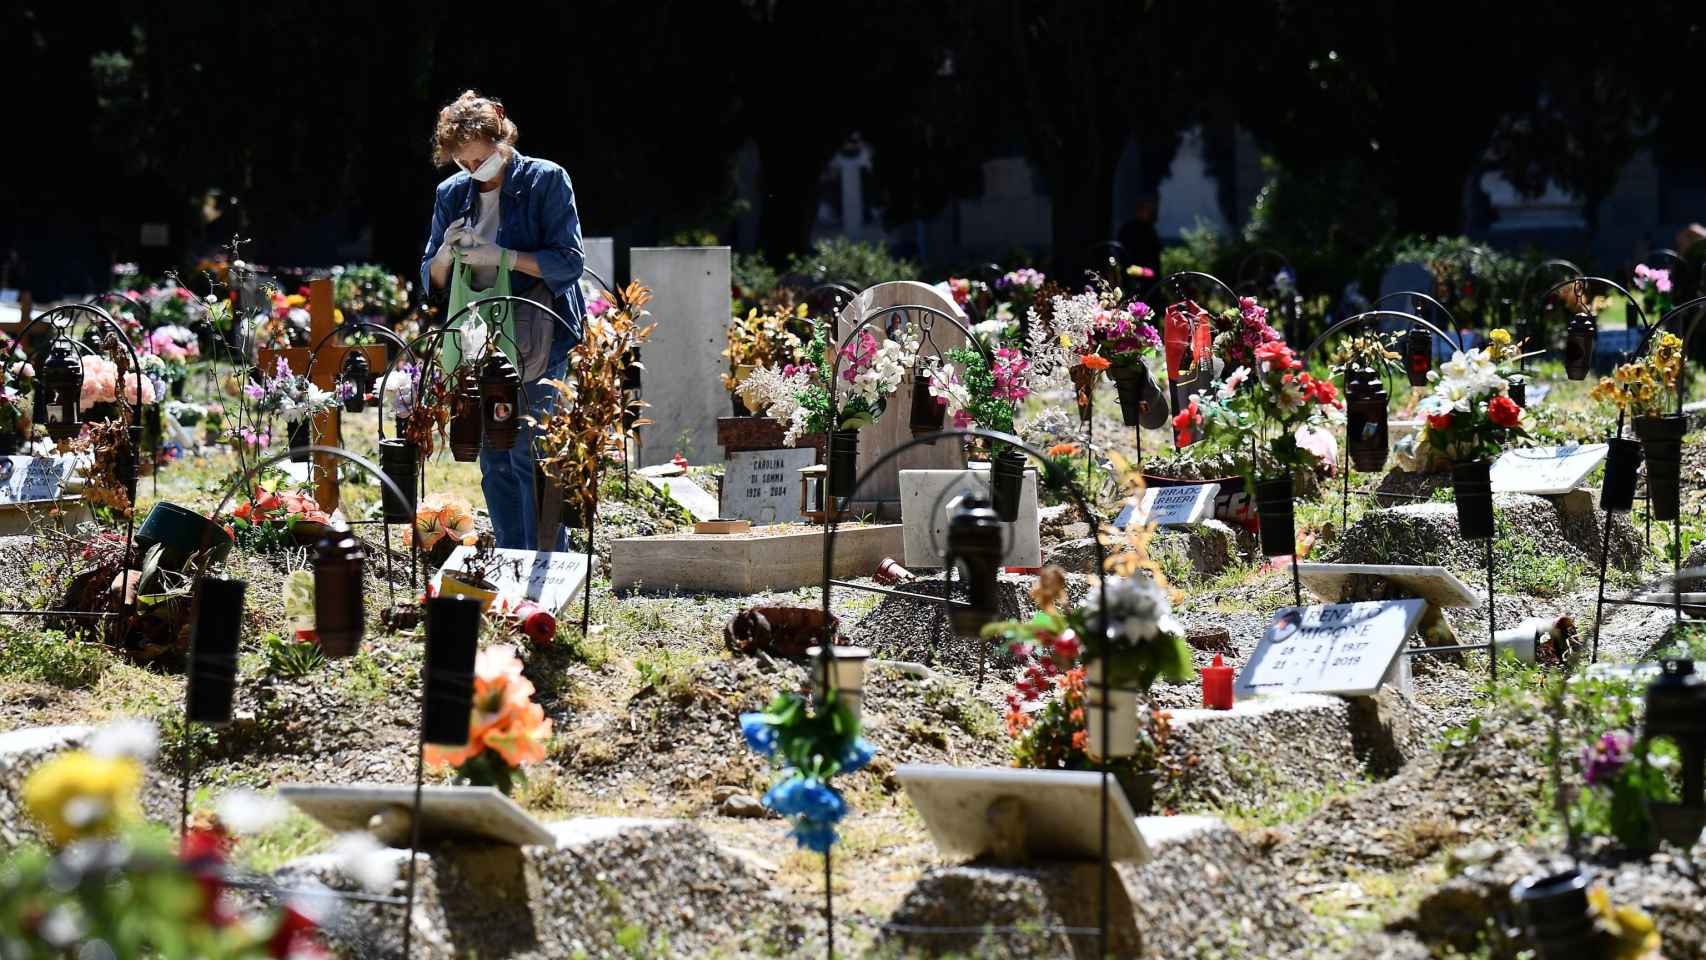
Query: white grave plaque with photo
x=764 y=485
x=1546 y=471
x=30 y=479
x=548 y=579
x=1341 y=648
x=1175 y=506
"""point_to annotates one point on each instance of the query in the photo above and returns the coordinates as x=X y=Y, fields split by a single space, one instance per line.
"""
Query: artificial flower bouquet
x=17 y=381
x=177 y=347
x=101 y=384
x=797 y=394
x=1262 y=413
x=985 y=396
x=1645 y=387
x=1654 y=287
x=1646 y=391
x=813 y=746
x=506 y=729
x=273 y=517
x=288 y=395
x=762 y=339
x=443 y=521
x=1470 y=415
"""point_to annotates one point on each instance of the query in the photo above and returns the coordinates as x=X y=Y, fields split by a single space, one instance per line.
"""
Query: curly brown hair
x=466 y=119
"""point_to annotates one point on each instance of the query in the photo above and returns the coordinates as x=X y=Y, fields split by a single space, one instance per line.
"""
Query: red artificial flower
x=1503 y=411
x=1277 y=355
x=1440 y=422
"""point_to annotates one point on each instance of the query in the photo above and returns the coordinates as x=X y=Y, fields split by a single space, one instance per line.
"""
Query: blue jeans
x=506 y=476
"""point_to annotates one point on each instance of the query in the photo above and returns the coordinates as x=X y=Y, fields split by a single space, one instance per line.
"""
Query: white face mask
x=489 y=168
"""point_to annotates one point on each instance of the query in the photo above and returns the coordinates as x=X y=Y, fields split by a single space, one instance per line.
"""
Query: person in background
x=1139 y=237
x=503 y=207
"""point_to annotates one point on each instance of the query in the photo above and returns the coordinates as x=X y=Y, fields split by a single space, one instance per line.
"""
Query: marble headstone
x=551 y=580
x=1546 y=471
x=764 y=485
x=684 y=363
x=1436 y=585
x=601 y=257
x=924 y=499
x=1340 y=648
x=892 y=430
x=447 y=813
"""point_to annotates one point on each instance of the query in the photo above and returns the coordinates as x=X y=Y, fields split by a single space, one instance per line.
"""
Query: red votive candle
x=1217 y=685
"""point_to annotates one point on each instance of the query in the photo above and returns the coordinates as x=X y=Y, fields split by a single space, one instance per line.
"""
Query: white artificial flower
x=366 y=861
x=247 y=812
x=126 y=737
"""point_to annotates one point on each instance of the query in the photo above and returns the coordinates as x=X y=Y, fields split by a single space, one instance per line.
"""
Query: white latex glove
x=455 y=232
x=482 y=255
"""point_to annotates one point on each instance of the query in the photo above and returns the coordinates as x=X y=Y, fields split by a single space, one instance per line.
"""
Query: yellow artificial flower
x=1636 y=935
x=78 y=795
x=1500 y=336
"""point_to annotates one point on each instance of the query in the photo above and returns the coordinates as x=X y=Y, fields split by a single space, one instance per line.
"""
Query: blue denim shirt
x=536 y=215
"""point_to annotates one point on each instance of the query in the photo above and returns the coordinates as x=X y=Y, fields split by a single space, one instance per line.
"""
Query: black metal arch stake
x=436 y=334
x=1344 y=507
x=1641 y=316
x=1688 y=333
x=1051 y=474
x=188 y=758
x=60 y=319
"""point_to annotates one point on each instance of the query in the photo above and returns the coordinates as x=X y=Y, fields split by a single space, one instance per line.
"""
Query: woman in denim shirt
x=501 y=202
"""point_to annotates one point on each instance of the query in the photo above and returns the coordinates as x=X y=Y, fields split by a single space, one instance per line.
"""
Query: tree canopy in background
x=305 y=124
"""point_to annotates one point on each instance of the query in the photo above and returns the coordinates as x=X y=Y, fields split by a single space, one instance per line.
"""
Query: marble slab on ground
x=692 y=497
x=781 y=557
x=1546 y=471
x=1348 y=649
x=764 y=485
x=1436 y=585
x=1062 y=811
x=34 y=739
x=924 y=499
x=552 y=580
x=447 y=813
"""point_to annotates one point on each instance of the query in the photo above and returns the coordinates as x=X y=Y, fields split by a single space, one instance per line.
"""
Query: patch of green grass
x=294 y=836
x=290 y=659
x=670 y=672
x=48 y=656
x=1282 y=802
x=364 y=678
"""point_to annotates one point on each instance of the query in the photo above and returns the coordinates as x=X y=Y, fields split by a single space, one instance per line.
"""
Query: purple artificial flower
x=1606 y=757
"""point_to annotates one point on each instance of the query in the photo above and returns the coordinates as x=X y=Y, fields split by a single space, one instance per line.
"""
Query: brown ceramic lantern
x=338 y=612
x=465 y=420
x=500 y=401
x=928 y=411
x=59 y=388
x=1365 y=419
x=1579 y=340
x=400 y=460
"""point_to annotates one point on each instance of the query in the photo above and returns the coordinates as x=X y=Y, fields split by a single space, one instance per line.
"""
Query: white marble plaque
x=1340 y=648
x=30 y=479
x=551 y=580
x=692 y=497
x=447 y=813
x=924 y=499
x=1174 y=506
x=1062 y=811
x=1546 y=471
x=764 y=485
x=1436 y=585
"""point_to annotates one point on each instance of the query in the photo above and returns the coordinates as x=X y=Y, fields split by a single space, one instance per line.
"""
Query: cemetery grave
x=871 y=717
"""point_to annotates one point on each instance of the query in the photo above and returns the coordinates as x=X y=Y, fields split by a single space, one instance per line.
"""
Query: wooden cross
x=323 y=374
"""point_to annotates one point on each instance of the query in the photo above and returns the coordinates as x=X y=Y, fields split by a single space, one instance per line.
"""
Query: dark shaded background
x=312 y=119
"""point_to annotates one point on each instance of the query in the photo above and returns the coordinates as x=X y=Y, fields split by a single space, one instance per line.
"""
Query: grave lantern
x=975 y=547
x=453 y=633
x=1676 y=709
x=465 y=420
x=1555 y=918
x=338 y=613
x=631 y=367
x=59 y=388
x=928 y=410
x=1365 y=419
x=1418 y=355
x=1579 y=341
x=215 y=627
x=846 y=669
x=500 y=401
x=125 y=458
x=354 y=379
x=400 y=460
